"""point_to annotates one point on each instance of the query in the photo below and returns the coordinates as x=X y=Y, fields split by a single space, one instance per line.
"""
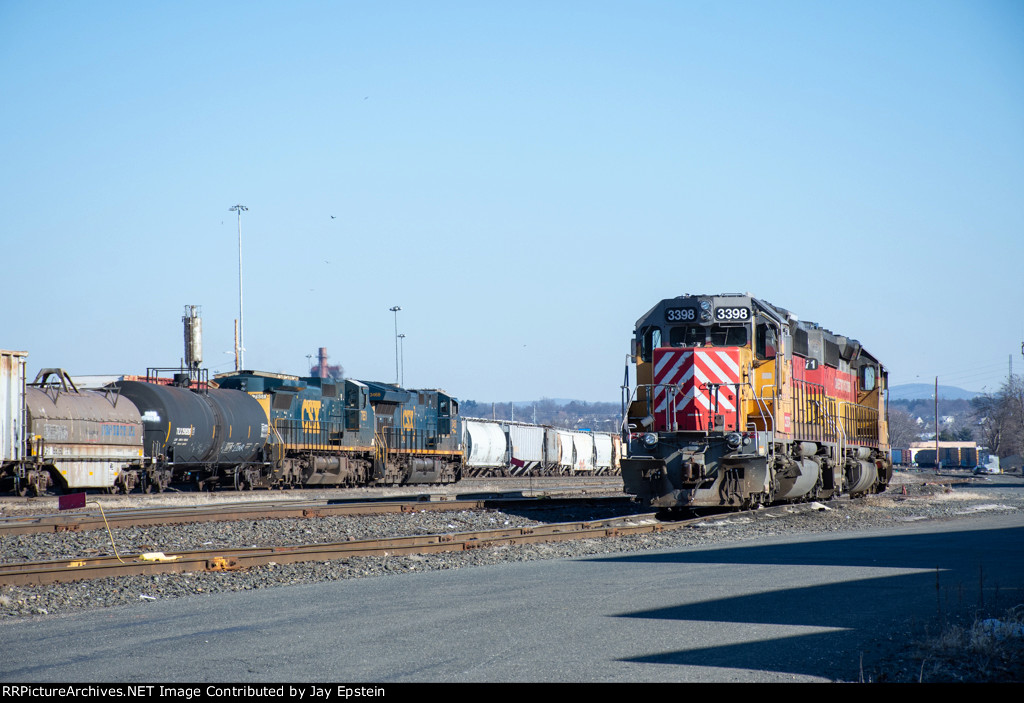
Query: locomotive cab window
x=867 y=378
x=688 y=336
x=650 y=339
x=767 y=341
x=722 y=336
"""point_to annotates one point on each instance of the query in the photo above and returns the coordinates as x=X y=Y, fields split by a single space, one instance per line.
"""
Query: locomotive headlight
x=650 y=439
x=733 y=439
x=705 y=310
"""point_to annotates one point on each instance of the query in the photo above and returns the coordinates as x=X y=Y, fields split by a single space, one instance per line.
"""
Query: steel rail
x=147 y=517
x=229 y=559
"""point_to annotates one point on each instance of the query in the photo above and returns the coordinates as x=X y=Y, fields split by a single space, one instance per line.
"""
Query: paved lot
x=780 y=609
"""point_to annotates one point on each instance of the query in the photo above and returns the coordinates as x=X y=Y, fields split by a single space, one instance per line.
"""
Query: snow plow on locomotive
x=737 y=403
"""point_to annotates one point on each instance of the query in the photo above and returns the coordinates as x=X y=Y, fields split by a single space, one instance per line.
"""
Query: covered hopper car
x=509 y=448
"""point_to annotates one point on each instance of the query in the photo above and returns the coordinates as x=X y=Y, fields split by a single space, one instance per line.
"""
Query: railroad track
x=231 y=559
x=82 y=520
x=247 y=557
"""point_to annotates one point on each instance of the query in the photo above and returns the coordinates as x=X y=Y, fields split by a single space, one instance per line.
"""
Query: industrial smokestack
x=321 y=368
x=193 y=323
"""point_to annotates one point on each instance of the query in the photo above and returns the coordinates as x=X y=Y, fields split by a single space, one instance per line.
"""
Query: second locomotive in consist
x=739 y=403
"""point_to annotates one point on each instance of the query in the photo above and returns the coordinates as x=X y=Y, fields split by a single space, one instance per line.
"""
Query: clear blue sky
x=524 y=179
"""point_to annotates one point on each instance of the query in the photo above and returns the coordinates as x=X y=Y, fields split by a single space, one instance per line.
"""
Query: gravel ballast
x=912 y=497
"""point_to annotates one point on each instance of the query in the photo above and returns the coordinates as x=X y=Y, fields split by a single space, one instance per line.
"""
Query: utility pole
x=938 y=460
x=240 y=343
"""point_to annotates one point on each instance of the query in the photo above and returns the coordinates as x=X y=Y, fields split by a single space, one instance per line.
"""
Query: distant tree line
x=1000 y=418
x=994 y=420
x=574 y=415
x=904 y=428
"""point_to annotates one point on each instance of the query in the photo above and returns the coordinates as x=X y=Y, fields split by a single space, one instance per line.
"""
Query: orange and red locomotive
x=737 y=402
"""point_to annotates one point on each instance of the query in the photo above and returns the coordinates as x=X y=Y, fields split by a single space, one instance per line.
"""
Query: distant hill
x=922 y=391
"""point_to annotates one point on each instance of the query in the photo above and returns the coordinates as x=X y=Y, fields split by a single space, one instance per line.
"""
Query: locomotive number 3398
x=732 y=313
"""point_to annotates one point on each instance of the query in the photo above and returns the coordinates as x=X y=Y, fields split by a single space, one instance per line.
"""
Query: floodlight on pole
x=240 y=347
x=395 y=310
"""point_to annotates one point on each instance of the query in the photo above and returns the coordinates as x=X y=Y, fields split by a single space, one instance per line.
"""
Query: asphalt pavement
x=801 y=608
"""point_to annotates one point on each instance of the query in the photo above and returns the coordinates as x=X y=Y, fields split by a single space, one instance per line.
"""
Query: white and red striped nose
x=691 y=384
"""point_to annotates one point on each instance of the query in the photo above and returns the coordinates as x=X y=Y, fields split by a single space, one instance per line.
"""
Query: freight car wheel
x=241 y=482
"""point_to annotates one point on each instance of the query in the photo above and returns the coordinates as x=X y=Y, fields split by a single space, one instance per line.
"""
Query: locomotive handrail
x=381 y=446
x=713 y=389
x=672 y=391
x=809 y=396
x=670 y=403
x=280 y=440
x=861 y=416
x=624 y=425
x=842 y=439
x=762 y=408
x=764 y=398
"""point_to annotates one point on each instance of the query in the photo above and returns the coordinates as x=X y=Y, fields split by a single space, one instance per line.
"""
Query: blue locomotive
x=348 y=433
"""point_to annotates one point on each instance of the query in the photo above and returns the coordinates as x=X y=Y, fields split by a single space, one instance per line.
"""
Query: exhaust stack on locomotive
x=739 y=403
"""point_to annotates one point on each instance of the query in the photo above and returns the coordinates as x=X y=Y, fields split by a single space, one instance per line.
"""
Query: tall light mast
x=395 y=310
x=240 y=343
